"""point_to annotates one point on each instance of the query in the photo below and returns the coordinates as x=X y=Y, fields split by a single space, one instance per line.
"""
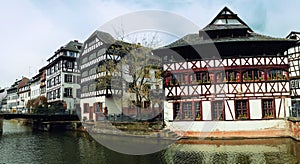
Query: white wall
x=35 y=90
x=227 y=110
x=211 y=126
x=279 y=105
x=168 y=111
x=112 y=107
x=206 y=110
x=255 y=109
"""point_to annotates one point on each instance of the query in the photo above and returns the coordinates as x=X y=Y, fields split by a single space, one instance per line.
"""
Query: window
x=48 y=83
x=48 y=96
x=241 y=109
x=52 y=82
x=58 y=93
x=218 y=110
x=98 y=107
x=69 y=65
x=72 y=54
x=92 y=56
x=232 y=76
x=48 y=72
x=68 y=92
x=92 y=87
x=85 y=89
x=86 y=108
x=68 y=78
x=84 y=74
x=101 y=52
x=51 y=96
x=268 y=109
x=84 y=60
x=92 y=71
x=277 y=75
x=176 y=111
x=59 y=66
x=55 y=67
x=202 y=77
x=198 y=111
x=52 y=69
x=253 y=75
x=58 y=79
x=187 y=111
x=54 y=94
x=220 y=77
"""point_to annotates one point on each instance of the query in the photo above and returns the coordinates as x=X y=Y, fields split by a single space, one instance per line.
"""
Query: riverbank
x=222 y=130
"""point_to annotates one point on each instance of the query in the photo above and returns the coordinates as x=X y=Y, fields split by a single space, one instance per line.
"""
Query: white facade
x=35 y=89
x=62 y=77
x=294 y=71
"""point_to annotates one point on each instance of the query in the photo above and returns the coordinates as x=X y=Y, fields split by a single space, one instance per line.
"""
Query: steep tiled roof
x=73 y=46
x=225 y=27
x=226 y=19
x=194 y=39
x=104 y=36
x=294 y=35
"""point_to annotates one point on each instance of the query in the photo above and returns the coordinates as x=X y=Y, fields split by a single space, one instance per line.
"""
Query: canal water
x=19 y=144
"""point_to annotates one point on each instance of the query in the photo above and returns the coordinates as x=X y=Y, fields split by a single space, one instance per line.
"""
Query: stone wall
x=294 y=128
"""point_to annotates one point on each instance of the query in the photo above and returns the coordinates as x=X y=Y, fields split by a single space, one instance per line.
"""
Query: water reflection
x=283 y=150
x=20 y=144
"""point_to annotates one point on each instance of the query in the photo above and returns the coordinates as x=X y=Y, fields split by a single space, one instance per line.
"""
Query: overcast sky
x=31 y=30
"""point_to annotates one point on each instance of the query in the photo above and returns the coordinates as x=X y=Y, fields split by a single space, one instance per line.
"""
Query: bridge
x=44 y=121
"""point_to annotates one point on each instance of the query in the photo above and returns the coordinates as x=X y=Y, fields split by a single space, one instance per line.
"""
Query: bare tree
x=136 y=72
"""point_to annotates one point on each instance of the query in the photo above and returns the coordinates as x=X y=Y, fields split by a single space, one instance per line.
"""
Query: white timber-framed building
x=228 y=81
x=62 y=77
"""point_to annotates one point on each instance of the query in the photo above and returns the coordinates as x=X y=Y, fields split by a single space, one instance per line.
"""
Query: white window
x=68 y=78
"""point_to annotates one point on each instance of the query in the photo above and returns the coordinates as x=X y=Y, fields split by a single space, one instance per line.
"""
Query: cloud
x=32 y=30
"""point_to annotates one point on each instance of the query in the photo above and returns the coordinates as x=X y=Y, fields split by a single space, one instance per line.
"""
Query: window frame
x=213 y=110
x=239 y=107
x=270 y=114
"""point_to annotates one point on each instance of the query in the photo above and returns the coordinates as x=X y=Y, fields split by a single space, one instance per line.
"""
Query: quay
x=44 y=122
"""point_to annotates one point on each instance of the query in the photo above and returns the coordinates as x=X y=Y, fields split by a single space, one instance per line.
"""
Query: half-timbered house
x=109 y=84
x=294 y=60
x=62 y=75
x=226 y=79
